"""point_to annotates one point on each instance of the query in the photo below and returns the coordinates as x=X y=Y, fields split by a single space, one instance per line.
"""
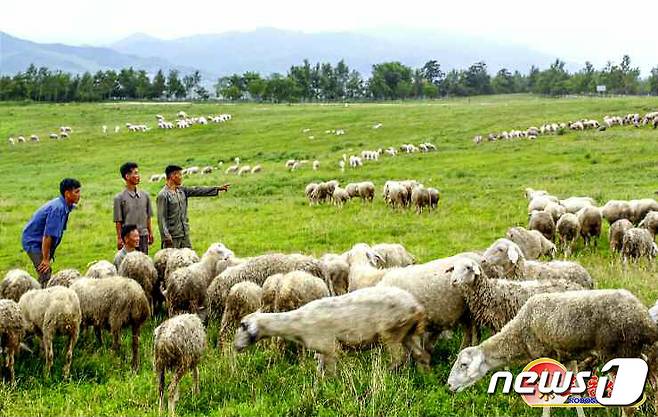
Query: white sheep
x=12 y=330
x=256 y=169
x=575 y=204
x=316 y=165
x=53 y=136
x=638 y=242
x=244 y=298
x=532 y=243
x=245 y=169
x=616 y=234
x=101 y=269
x=178 y=344
x=568 y=231
x=207 y=170
x=590 y=220
x=16 y=283
x=386 y=314
x=11 y=141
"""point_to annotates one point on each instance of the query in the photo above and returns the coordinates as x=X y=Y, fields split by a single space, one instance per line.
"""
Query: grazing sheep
x=640 y=208
x=614 y=210
x=363 y=272
x=575 y=204
x=256 y=270
x=568 y=231
x=532 y=243
x=434 y=198
x=420 y=198
x=617 y=325
x=16 y=283
x=34 y=138
x=297 y=288
x=386 y=314
x=245 y=169
x=101 y=269
x=311 y=194
x=396 y=195
x=531 y=193
x=590 y=220
x=539 y=202
x=494 y=302
x=542 y=222
x=638 y=242
x=366 y=191
x=113 y=304
x=186 y=287
x=316 y=165
x=650 y=222
x=340 y=196
x=616 y=233
x=139 y=267
x=51 y=310
x=244 y=298
x=256 y=169
x=504 y=259
x=65 y=277
x=338 y=271
x=269 y=293
x=393 y=255
x=233 y=169
x=555 y=210
x=53 y=136
x=12 y=330
x=179 y=258
x=207 y=170
x=178 y=344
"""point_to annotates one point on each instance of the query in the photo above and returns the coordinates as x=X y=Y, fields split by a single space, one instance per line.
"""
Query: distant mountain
x=17 y=54
x=270 y=50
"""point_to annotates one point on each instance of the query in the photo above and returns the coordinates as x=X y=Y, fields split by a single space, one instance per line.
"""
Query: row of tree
x=325 y=82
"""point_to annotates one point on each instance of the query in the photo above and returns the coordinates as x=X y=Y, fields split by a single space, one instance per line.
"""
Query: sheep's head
x=513 y=233
x=220 y=250
x=362 y=253
x=247 y=333
x=503 y=254
x=468 y=369
x=464 y=272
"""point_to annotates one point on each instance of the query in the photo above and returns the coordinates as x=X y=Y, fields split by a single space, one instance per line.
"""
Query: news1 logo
x=547 y=383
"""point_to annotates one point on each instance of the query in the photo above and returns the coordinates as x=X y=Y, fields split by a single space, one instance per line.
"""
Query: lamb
x=12 y=330
x=504 y=259
x=590 y=220
x=393 y=255
x=420 y=198
x=542 y=222
x=614 y=210
x=139 y=267
x=207 y=170
x=53 y=136
x=65 y=277
x=186 y=287
x=386 y=314
x=495 y=302
x=366 y=191
x=617 y=325
x=50 y=310
x=256 y=270
x=178 y=344
x=575 y=204
x=616 y=234
x=640 y=208
x=650 y=222
x=16 y=283
x=340 y=196
x=568 y=230
x=244 y=298
x=532 y=243
x=638 y=242
x=101 y=269
x=338 y=271
x=113 y=304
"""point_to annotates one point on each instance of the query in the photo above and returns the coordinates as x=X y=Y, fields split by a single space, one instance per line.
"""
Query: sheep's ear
x=513 y=254
x=477 y=270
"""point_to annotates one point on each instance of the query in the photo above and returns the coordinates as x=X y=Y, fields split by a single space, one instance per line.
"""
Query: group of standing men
x=132 y=217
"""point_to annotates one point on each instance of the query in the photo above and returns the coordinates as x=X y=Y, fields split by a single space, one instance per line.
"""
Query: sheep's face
x=361 y=253
x=246 y=334
x=468 y=369
x=221 y=250
x=465 y=273
x=503 y=254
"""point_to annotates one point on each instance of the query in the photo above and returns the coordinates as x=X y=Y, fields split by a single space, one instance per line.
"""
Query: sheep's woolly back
x=269 y=293
x=16 y=283
x=11 y=324
x=532 y=243
x=393 y=254
x=160 y=261
x=114 y=302
x=542 y=222
x=650 y=222
x=298 y=288
x=557 y=270
x=243 y=298
x=568 y=228
x=590 y=220
x=64 y=277
x=638 y=242
x=616 y=233
x=139 y=267
x=257 y=270
x=101 y=269
x=338 y=271
x=179 y=258
x=57 y=308
x=179 y=342
x=613 y=323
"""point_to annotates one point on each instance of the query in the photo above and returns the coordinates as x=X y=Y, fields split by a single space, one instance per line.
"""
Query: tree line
x=326 y=82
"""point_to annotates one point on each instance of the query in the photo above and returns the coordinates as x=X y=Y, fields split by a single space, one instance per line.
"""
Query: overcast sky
x=575 y=30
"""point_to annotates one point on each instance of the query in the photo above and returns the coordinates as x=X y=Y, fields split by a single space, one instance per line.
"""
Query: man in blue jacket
x=44 y=232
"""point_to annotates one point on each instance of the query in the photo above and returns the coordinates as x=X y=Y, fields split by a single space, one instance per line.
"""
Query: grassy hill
x=482 y=195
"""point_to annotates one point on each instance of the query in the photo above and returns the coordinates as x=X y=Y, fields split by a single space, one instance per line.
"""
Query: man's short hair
x=68 y=184
x=171 y=169
x=127 y=169
x=126 y=229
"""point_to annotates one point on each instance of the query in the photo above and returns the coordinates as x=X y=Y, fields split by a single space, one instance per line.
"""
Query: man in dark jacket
x=172 y=208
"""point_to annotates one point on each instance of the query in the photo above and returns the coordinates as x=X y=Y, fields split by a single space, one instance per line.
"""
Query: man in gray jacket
x=172 y=208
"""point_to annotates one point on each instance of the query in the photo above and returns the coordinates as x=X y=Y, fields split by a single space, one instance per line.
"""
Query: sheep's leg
x=73 y=338
x=47 y=341
x=161 y=383
x=411 y=343
x=399 y=356
x=173 y=390
x=116 y=340
x=9 y=362
x=99 y=335
x=195 y=376
x=136 y=332
x=326 y=362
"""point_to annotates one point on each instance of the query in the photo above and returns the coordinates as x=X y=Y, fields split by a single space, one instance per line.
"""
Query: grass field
x=482 y=195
